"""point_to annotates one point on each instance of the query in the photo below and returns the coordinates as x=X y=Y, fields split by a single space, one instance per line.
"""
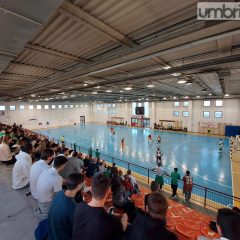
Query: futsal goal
x=237 y=143
x=116 y=121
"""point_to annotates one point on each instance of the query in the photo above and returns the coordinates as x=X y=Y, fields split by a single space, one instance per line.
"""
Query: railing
x=201 y=195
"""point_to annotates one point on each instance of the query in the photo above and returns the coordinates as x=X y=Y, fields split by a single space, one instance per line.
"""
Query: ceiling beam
x=37 y=48
x=143 y=53
x=16 y=76
x=16 y=64
x=162 y=62
x=225 y=46
x=76 y=13
x=13 y=81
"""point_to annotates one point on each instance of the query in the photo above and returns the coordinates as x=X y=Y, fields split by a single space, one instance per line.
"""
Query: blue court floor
x=199 y=154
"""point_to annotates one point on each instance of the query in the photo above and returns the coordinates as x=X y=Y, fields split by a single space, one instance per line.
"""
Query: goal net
x=237 y=143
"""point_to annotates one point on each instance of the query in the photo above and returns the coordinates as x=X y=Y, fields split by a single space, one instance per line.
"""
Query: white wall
x=55 y=117
x=157 y=111
x=230 y=109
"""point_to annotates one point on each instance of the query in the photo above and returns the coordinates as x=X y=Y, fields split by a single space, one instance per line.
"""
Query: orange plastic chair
x=206 y=231
x=185 y=231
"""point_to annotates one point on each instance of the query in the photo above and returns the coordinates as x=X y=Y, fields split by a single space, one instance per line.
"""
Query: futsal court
x=199 y=154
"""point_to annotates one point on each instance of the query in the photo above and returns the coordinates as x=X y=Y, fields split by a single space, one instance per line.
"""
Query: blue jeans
x=187 y=196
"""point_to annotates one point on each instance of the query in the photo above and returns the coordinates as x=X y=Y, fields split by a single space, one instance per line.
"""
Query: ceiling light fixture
x=109 y=91
x=121 y=91
x=128 y=88
x=181 y=81
x=176 y=74
x=94 y=92
x=166 y=67
x=97 y=87
x=174 y=97
x=33 y=95
x=209 y=94
x=226 y=95
x=164 y=98
x=150 y=86
x=198 y=96
x=189 y=83
x=85 y=84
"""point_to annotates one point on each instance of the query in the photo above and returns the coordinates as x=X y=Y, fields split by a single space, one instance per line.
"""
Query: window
x=59 y=106
x=219 y=103
x=207 y=103
x=71 y=106
x=81 y=106
x=21 y=107
x=39 y=107
x=176 y=114
x=186 y=104
x=206 y=114
x=65 y=106
x=185 y=114
x=2 y=108
x=30 y=107
x=76 y=106
x=111 y=105
x=218 y=114
x=12 y=108
x=86 y=105
x=176 y=104
x=53 y=106
x=46 y=106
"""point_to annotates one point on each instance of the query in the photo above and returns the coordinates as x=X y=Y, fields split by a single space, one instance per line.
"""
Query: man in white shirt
x=38 y=167
x=21 y=169
x=159 y=175
x=5 y=153
x=49 y=182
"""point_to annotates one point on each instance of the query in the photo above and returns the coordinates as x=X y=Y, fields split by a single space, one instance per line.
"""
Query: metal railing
x=206 y=197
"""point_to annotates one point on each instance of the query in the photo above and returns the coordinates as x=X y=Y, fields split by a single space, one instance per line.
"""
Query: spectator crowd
x=80 y=197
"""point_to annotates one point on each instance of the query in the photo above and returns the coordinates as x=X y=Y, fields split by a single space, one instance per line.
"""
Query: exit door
x=82 y=119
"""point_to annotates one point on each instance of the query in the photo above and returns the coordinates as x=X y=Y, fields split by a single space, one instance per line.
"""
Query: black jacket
x=147 y=228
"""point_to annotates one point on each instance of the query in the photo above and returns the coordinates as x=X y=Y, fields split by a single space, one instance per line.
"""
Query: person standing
x=187 y=186
x=220 y=146
x=60 y=223
x=97 y=154
x=21 y=169
x=175 y=176
x=62 y=139
x=159 y=156
x=149 y=138
x=38 y=167
x=122 y=144
x=91 y=221
x=48 y=184
x=159 y=175
x=90 y=152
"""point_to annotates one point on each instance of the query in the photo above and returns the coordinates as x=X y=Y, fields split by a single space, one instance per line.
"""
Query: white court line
x=173 y=158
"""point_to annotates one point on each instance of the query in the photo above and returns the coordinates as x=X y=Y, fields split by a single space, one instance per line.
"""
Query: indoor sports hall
x=119 y=120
